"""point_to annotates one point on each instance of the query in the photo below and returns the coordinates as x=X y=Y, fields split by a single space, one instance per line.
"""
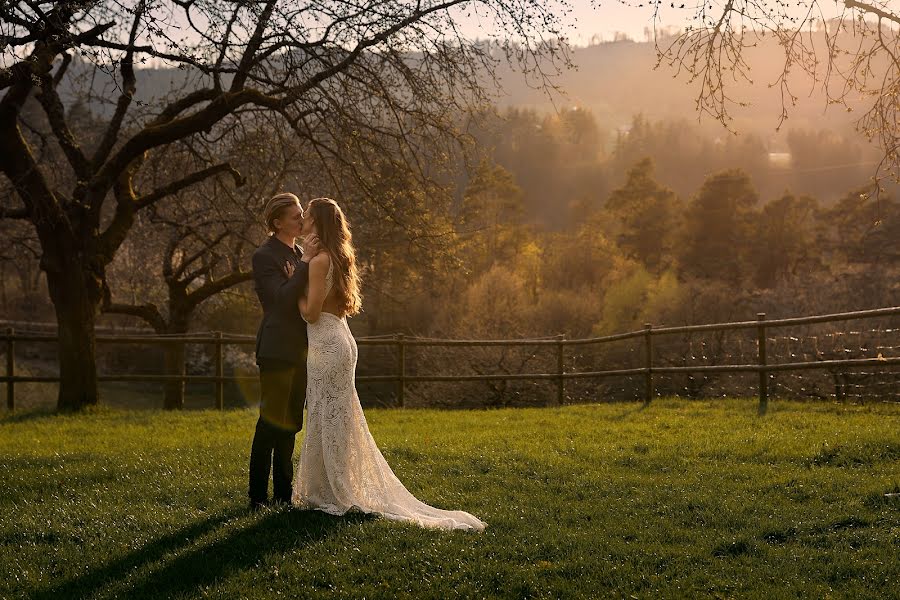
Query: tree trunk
x=179 y=318
x=3 y=300
x=174 y=390
x=77 y=301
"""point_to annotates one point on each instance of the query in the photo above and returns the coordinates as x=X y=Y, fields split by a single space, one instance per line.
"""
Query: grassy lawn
x=683 y=499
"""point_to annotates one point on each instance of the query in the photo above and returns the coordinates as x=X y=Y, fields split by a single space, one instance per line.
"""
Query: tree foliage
x=648 y=215
x=717 y=239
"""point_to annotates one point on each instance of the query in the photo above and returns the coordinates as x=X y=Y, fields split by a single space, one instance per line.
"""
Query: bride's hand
x=288 y=269
x=310 y=246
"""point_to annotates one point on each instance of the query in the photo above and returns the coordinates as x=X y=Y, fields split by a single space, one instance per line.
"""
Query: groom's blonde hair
x=275 y=208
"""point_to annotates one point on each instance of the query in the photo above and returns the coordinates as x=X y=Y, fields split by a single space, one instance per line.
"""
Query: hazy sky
x=592 y=20
x=603 y=18
x=599 y=20
x=589 y=21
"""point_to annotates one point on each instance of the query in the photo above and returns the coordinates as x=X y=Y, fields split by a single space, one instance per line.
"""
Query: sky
x=593 y=21
x=589 y=22
x=599 y=20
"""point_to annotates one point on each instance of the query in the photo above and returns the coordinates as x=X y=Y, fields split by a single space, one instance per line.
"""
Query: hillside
x=616 y=80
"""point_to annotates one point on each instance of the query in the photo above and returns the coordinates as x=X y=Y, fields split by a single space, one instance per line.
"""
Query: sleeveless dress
x=341 y=468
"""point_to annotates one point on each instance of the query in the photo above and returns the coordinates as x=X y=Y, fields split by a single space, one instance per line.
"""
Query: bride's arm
x=311 y=304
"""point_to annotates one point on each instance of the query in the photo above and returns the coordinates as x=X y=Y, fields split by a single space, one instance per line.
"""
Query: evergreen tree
x=784 y=235
x=492 y=218
x=647 y=213
x=717 y=236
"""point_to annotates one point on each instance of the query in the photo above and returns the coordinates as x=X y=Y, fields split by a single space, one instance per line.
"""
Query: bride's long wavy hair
x=336 y=239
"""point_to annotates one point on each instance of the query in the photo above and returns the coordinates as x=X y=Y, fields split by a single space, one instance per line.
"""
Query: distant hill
x=617 y=80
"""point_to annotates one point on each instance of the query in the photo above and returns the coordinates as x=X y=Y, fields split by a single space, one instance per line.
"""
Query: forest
x=555 y=228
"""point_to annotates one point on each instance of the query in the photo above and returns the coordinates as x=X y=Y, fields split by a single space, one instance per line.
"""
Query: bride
x=341 y=468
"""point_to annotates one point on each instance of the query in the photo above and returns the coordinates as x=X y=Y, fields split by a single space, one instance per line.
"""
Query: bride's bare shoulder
x=318 y=266
x=322 y=258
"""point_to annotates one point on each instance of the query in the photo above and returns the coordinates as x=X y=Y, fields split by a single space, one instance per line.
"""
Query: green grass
x=683 y=499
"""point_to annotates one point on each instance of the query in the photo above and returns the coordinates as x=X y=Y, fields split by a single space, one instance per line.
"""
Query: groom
x=281 y=345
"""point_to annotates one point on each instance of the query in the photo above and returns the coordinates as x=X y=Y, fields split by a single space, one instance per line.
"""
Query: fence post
x=220 y=372
x=648 y=362
x=10 y=368
x=839 y=386
x=763 y=374
x=401 y=370
x=560 y=370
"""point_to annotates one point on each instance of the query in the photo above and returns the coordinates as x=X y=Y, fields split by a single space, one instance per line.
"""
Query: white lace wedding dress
x=341 y=468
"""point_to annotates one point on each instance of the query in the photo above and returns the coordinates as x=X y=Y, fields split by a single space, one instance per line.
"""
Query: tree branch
x=182 y=104
x=56 y=116
x=253 y=45
x=223 y=51
x=148 y=312
x=61 y=71
x=123 y=218
x=128 y=88
x=882 y=14
x=41 y=204
x=177 y=186
x=207 y=246
x=151 y=51
x=211 y=288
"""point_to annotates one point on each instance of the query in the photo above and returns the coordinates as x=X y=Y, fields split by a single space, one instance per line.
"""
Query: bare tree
x=319 y=65
x=202 y=241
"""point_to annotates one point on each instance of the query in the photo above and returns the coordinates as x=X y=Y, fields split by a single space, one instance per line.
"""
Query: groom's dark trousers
x=281 y=345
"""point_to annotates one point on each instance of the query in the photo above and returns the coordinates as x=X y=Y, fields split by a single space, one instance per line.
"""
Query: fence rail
x=559 y=343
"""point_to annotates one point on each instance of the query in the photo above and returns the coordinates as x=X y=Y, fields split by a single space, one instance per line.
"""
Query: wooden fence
x=557 y=345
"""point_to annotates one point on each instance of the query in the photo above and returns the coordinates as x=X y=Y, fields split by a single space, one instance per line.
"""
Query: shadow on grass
x=95 y=579
x=27 y=478
x=27 y=415
x=630 y=411
x=195 y=567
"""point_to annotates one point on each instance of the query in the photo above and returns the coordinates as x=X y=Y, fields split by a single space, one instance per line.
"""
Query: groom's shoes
x=280 y=502
x=257 y=505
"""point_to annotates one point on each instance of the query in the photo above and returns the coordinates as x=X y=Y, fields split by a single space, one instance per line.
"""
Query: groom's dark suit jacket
x=281 y=342
x=282 y=333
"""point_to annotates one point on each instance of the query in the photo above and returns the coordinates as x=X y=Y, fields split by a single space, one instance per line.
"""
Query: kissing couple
x=307 y=355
